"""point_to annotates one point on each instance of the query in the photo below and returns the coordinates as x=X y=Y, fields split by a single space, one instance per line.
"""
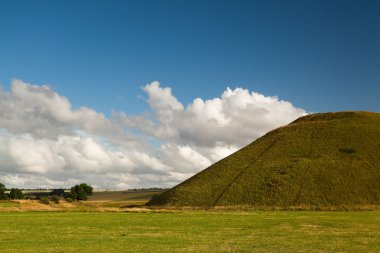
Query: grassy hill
x=328 y=160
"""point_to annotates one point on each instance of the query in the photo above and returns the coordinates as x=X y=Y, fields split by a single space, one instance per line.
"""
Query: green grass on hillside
x=190 y=231
x=320 y=161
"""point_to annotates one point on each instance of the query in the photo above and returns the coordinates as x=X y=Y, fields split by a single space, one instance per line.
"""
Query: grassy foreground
x=190 y=231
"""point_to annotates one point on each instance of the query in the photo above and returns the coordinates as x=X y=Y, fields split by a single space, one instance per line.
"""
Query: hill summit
x=326 y=160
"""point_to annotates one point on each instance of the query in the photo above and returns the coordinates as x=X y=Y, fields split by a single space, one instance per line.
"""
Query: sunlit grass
x=190 y=231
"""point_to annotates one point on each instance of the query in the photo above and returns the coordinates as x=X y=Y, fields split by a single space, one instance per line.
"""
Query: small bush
x=45 y=200
x=54 y=199
x=67 y=195
x=69 y=200
x=347 y=150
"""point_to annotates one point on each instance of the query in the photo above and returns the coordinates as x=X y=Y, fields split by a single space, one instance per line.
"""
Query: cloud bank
x=44 y=142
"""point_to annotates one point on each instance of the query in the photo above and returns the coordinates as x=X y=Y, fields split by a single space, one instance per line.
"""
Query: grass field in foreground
x=190 y=231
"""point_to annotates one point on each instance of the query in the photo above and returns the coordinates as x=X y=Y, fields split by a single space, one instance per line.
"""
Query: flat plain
x=190 y=231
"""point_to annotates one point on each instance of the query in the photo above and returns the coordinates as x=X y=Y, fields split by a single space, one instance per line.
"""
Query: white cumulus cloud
x=44 y=142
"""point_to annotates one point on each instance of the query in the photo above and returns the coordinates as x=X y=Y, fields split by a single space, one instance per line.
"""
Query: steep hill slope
x=320 y=160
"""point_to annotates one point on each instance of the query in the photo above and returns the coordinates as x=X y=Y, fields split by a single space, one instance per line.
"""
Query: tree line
x=78 y=192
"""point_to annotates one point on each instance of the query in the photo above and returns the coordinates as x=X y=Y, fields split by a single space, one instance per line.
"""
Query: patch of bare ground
x=33 y=205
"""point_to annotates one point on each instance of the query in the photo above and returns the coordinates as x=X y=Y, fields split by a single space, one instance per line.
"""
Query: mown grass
x=320 y=161
x=190 y=231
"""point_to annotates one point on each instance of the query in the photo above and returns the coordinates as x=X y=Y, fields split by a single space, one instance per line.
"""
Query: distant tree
x=16 y=194
x=2 y=191
x=45 y=200
x=68 y=199
x=81 y=191
x=55 y=199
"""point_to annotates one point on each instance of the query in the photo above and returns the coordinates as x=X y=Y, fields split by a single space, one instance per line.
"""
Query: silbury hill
x=319 y=161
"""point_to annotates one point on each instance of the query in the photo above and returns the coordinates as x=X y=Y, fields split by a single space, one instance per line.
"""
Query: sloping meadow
x=325 y=161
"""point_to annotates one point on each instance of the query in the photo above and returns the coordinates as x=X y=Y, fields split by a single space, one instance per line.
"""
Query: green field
x=190 y=231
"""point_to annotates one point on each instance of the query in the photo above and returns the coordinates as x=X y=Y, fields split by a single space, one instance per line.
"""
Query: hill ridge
x=324 y=159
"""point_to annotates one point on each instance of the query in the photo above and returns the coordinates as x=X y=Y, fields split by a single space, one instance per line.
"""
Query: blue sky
x=320 y=55
x=80 y=101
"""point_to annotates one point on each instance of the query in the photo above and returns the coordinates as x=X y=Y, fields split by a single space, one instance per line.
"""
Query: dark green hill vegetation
x=320 y=161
